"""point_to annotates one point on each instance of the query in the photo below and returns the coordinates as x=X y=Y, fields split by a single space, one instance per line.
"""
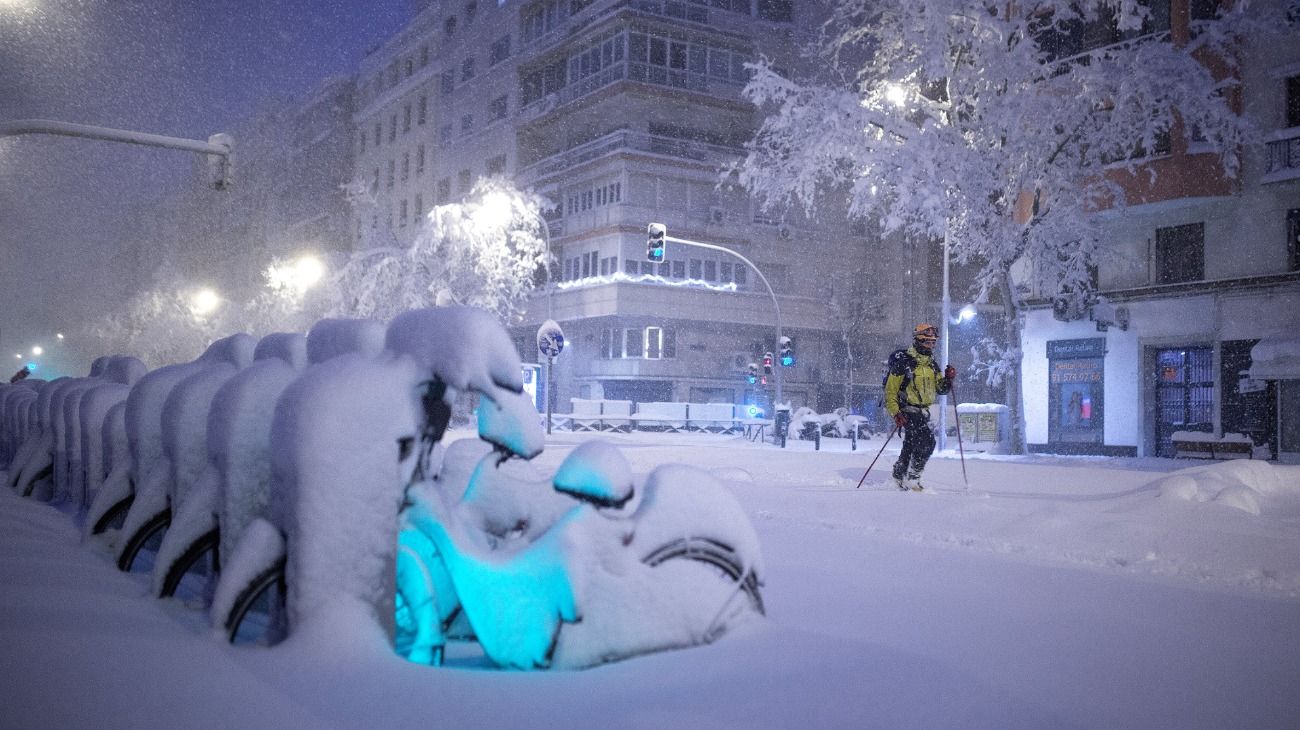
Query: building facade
x=622 y=113
x=1200 y=269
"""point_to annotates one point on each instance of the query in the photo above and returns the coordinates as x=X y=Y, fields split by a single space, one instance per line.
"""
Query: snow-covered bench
x=1201 y=445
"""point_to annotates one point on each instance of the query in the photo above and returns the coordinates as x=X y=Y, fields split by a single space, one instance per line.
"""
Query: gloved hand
x=900 y=420
x=950 y=373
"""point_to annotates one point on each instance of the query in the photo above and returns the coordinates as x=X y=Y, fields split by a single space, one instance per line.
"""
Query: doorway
x=1184 y=393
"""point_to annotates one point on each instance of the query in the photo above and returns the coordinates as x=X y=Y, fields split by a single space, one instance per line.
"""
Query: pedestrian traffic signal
x=767 y=363
x=752 y=375
x=787 y=352
x=654 y=251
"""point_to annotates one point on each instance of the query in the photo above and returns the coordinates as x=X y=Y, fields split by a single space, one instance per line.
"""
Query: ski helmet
x=925 y=335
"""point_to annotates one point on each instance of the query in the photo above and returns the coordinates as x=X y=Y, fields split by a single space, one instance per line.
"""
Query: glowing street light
x=966 y=314
x=205 y=302
x=58 y=335
x=896 y=94
x=38 y=351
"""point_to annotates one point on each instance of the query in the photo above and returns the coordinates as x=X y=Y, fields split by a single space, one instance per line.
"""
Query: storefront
x=1276 y=362
x=1076 y=396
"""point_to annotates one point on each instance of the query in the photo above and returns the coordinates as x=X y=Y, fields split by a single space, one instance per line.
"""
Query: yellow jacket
x=913 y=380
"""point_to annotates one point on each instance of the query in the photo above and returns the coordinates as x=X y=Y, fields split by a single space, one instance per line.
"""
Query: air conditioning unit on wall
x=784 y=232
x=717 y=215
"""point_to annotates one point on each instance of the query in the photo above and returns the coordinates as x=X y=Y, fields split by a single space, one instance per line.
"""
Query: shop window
x=1293 y=239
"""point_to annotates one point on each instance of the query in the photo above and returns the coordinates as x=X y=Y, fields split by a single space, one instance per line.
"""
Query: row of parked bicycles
x=303 y=478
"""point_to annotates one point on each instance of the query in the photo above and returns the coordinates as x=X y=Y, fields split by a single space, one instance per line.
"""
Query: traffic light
x=787 y=352
x=752 y=376
x=767 y=363
x=654 y=251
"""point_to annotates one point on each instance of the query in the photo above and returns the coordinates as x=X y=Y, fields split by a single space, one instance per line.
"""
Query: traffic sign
x=550 y=338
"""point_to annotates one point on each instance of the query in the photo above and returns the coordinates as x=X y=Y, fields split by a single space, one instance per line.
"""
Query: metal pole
x=776 y=367
x=550 y=384
x=68 y=129
x=943 y=348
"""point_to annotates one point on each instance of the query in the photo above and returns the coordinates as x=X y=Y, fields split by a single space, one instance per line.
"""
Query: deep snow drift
x=1059 y=592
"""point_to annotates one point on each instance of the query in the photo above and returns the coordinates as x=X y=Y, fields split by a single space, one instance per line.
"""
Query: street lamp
x=38 y=350
x=205 y=302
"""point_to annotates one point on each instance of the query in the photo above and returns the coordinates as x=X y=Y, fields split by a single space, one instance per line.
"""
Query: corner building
x=624 y=112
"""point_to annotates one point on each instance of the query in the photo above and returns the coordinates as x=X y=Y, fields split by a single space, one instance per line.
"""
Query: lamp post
x=943 y=347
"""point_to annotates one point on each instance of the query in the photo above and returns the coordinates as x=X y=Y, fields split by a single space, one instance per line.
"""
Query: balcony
x=1282 y=159
x=630 y=71
x=624 y=141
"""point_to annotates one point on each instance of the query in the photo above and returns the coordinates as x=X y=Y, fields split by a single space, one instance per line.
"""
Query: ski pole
x=873 y=461
x=961 y=451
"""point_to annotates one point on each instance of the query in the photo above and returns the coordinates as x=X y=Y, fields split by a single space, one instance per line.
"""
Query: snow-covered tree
x=483 y=252
x=1001 y=126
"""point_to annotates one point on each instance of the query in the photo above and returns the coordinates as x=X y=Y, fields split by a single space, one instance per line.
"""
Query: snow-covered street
x=1061 y=592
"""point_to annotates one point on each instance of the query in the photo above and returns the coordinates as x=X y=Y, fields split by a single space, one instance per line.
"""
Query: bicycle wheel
x=151 y=529
x=206 y=544
x=714 y=553
x=262 y=599
x=114 y=517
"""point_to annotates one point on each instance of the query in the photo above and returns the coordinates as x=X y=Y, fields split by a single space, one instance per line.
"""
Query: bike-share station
x=293 y=482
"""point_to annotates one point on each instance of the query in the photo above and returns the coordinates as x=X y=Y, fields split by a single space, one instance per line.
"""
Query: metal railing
x=629 y=140
x=1283 y=153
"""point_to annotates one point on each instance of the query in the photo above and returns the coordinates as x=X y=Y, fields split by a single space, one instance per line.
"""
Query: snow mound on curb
x=1245 y=485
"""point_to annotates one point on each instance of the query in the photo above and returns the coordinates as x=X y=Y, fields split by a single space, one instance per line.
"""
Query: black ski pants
x=918 y=444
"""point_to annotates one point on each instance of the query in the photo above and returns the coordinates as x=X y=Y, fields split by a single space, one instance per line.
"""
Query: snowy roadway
x=1060 y=593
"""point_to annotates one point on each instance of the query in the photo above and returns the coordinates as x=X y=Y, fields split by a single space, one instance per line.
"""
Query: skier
x=910 y=390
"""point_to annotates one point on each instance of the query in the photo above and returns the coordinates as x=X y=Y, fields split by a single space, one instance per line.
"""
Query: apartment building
x=1200 y=287
x=622 y=113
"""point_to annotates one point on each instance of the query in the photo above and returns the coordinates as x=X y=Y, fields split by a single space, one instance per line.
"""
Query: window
x=444 y=134
x=632 y=341
x=630 y=267
x=609 y=344
x=447 y=81
x=604 y=267
x=496 y=165
x=679 y=269
x=1293 y=101
x=710 y=270
x=419 y=204
x=741 y=274
x=499 y=107
x=471 y=9
x=363 y=142
x=467 y=69
x=724 y=274
x=449 y=26
x=781 y=11
x=647 y=268
x=654 y=343
x=401 y=218
x=419 y=160
x=410 y=68
x=463 y=181
x=1180 y=253
x=424 y=56
x=466 y=123
x=392 y=128
x=378 y=133
x=374 y=182
x=392 y=173
x=697 y=269
x=424 y=110
x=444 y=190
x=500 y=50
x=1293 y=239
x=406 y=166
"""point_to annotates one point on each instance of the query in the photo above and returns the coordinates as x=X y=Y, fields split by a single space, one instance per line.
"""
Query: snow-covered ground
x=1060 y=592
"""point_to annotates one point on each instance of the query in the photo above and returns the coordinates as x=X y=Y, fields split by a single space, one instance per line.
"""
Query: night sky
x=185 y=68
